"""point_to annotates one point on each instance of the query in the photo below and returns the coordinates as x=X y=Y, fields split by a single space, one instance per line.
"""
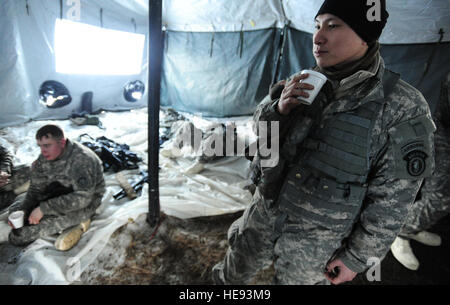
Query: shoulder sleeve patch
x=413 y=147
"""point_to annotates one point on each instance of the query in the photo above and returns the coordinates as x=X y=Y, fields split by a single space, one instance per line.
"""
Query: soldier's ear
x=63 y=142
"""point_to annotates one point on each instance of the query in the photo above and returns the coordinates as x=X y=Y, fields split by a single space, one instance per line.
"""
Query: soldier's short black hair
x=50 y=130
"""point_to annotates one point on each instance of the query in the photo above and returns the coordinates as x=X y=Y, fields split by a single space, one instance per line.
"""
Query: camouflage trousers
x=264 y=236
x=48 y=226
x=19 y=176
x=433 y=201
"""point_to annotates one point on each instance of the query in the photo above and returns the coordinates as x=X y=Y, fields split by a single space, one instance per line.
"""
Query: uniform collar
x=67 y=150
x=358 y=89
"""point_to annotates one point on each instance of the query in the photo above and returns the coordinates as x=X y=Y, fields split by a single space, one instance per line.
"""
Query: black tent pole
x=154 y=87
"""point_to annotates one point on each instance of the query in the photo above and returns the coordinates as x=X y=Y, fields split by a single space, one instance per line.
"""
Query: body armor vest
x=328 y=184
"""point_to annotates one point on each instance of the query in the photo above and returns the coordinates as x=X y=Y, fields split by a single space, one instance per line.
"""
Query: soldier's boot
x=70 y=237
x=401 y=250
x=426 y=238
x=85 y=225
x=22 y=189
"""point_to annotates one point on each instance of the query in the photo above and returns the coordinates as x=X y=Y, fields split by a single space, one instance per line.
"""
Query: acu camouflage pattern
x=301 y=244
x=5 y=160
x=19 y=176
x=433 y=201
x=68 y=191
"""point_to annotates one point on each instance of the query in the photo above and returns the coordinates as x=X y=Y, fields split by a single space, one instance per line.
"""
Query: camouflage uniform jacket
x=70 y=183
x=5 y=160
x=389 y=188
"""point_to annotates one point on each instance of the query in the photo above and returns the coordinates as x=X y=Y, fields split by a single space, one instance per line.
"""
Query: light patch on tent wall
x=133 y=91
x=53 y=94
x=85 y=49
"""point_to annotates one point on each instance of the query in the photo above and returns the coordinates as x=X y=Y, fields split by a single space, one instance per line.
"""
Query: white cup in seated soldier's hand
x=317 y=80
x=16 y=219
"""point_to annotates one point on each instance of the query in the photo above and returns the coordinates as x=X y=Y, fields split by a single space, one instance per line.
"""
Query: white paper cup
x=16 y=219
x=317 y=80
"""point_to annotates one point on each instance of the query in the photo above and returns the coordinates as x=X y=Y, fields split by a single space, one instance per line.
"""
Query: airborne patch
x=412 y=143
x=416 y=162
x=415 y=157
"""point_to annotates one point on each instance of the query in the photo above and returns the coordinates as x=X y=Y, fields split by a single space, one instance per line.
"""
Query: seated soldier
x=67 y=187
x=14 y=180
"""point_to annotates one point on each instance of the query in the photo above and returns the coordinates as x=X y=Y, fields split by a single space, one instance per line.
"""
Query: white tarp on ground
x=218 y=189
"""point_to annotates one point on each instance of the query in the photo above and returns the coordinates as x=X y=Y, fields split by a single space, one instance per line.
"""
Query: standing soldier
x=67 y=187
x=433 y=201
x=350 y=164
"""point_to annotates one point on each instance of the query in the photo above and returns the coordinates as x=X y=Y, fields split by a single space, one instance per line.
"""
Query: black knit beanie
x=363 y=18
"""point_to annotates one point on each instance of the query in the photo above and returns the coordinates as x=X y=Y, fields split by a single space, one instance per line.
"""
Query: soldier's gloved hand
x=338 y=273
x=291 y=91
x=35 y=216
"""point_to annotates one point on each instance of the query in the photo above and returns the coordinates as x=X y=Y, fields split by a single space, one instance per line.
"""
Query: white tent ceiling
x=410 y=21
x=27 y=39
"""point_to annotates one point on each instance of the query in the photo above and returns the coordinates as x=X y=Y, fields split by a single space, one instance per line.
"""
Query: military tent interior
x=218 y=60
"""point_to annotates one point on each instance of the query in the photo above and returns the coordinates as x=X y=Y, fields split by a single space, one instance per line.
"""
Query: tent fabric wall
x=28 y=59
x=237 y=15
x=222 y=85
x=15 y=84
x=410 y=21
x=399 y=49
x=218 y=74
x=410 y=61
x=297 y=53
x=222 y=16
